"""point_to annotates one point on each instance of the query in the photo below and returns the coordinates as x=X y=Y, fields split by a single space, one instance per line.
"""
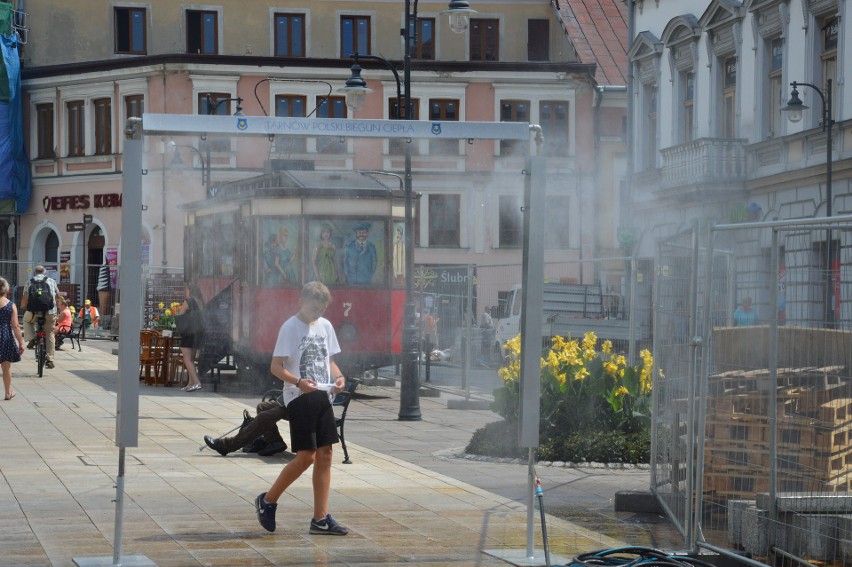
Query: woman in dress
x=325 y=269
x=10 y=332
x=190 y=341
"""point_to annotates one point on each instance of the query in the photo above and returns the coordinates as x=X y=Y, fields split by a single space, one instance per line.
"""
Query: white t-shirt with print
x=308 y=349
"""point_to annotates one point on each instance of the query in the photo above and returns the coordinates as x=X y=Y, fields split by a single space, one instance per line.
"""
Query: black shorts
x=312 y=423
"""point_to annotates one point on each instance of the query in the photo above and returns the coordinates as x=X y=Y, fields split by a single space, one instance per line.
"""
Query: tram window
x=217 y=240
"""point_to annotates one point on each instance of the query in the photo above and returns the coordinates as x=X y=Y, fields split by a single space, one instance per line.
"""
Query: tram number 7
x=346 y=307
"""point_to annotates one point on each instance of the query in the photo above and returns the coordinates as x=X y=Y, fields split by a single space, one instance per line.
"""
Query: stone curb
x=459 y=453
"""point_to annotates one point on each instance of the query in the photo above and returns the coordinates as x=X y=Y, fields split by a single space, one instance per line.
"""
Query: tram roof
x=298 y=183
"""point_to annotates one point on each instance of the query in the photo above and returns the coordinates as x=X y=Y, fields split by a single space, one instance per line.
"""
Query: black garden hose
x=635 y=556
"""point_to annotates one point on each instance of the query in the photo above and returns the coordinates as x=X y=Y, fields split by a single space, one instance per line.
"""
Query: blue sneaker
x=327 y=526
x=265 y=513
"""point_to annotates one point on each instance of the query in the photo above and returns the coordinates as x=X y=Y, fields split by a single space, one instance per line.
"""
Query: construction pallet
x=813 y=464
x=813 y=432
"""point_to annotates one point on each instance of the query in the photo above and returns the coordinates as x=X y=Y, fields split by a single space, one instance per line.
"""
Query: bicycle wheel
x=41 y=356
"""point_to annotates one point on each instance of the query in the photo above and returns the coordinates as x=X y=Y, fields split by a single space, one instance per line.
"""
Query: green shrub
x=500 y=439
x=497 y=439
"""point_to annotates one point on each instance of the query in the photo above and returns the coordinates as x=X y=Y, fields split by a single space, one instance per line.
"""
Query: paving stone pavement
x=405 y=497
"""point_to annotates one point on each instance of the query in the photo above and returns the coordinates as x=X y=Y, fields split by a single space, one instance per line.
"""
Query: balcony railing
x=703 y=161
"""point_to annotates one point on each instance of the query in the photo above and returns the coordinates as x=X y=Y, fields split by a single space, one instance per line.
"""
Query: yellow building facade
x=89 y=65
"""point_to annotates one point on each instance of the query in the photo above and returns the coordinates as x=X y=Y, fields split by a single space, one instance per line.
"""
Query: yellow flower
x=513 y=346
x=645 y=383
x=621 y=391
x=161 y=305
x=606 y=347
x=590 y=339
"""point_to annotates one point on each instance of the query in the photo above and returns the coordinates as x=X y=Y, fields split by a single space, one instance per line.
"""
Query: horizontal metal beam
x=814 y=223
x=196 y=124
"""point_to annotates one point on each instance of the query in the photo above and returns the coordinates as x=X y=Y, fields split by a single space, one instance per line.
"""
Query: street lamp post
x=204 y=158
x=205 y=165
x=212 y=109
x=355 y=90
x=794 y=110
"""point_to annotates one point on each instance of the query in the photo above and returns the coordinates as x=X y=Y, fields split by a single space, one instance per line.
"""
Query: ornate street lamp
x=355 y=91
x=794 y=109
x=459 y=12
x=214 y=108
x=177 y=161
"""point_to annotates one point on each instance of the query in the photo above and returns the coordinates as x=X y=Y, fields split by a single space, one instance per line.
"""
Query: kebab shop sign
x=81 y=202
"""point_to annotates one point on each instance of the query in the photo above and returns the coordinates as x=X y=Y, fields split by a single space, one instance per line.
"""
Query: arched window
x=681 y=38
x=51 y=247
x=96 y=246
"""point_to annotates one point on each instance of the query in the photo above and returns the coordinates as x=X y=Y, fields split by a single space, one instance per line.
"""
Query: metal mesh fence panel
x=775 y=398
x=672 y=414
x=758 y=404
x=473 y=310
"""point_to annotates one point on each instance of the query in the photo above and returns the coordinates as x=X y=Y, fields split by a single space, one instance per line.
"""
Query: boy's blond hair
x=316 y=290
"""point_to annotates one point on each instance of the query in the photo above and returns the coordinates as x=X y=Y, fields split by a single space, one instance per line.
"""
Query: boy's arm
x=277 y=369
x=337 y=377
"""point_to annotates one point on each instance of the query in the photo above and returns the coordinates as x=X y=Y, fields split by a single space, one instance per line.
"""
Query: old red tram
x=254 y=243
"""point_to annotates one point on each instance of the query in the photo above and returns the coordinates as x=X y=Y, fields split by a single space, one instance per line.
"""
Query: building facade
x=710 y=142
x=517 y=62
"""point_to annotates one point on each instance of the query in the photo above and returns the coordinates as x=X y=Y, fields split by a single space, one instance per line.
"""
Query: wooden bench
x=340 y=405
x=72 y=334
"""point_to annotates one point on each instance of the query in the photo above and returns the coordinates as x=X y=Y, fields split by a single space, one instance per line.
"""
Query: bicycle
x=40 y=346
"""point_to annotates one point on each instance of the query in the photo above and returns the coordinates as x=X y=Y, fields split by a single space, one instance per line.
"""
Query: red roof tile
x=598 y=31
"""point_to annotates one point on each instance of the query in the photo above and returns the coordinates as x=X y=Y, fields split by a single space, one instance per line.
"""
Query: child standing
x=10 y=332
x=303 y=360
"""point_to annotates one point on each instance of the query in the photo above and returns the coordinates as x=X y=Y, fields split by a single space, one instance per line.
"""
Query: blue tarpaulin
x=14 y=163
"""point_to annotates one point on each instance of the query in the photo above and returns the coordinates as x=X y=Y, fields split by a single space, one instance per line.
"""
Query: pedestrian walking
x=303 y=359
x=10 y=334
x=190 y=325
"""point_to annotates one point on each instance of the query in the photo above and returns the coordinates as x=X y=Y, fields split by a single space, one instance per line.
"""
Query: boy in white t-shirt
x=304 y=360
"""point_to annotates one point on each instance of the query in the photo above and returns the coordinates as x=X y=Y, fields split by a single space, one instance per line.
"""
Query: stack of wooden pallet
x=813 y=434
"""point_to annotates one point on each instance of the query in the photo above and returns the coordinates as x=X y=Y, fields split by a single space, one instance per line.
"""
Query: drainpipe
x=631 y=33
x=600 y=91
x=165 y=260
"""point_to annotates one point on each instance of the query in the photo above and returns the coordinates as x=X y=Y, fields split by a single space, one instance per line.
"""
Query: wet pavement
x=578 y=502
